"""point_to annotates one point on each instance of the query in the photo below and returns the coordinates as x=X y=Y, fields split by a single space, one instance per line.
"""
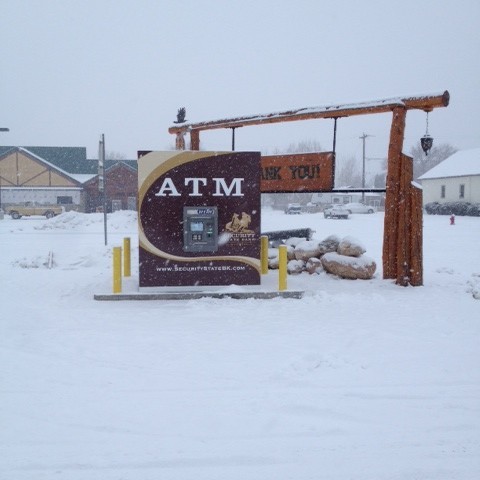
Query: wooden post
x=416 y=237
x=392 y=195
x=404 y=221
x=195 y=140
x=180 y=141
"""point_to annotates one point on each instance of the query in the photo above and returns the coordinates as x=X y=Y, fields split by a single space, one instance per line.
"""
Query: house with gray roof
x=455 y=179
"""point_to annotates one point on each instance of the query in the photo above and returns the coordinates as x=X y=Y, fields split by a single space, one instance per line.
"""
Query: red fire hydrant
x=452 y=219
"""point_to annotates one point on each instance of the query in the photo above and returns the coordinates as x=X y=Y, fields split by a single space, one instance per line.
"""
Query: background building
x=64 y=176
x=456 y=179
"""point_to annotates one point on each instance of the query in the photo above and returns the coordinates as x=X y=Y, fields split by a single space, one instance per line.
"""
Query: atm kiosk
x=199 y=220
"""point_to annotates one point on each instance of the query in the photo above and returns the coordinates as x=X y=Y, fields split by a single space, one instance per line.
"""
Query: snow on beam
x=418 y=102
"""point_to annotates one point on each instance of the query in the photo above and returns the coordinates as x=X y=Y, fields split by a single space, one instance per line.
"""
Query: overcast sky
x=72 y=70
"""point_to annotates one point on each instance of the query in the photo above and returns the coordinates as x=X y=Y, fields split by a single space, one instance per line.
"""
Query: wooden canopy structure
x=403 y=236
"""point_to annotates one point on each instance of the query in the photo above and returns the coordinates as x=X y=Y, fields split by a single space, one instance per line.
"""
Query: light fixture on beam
x=426 y=141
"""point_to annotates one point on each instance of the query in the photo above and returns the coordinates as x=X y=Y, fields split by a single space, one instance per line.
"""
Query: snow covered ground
x=358 y=380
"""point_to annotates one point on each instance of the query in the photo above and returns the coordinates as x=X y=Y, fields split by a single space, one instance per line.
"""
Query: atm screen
x=196 y=226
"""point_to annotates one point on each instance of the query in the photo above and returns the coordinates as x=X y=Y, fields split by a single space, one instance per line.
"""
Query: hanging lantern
x=426 y=141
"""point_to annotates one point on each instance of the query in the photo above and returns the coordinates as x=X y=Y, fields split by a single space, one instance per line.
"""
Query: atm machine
x=200 y=229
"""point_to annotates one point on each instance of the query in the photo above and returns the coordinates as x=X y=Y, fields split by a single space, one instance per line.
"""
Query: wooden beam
x=422 y=102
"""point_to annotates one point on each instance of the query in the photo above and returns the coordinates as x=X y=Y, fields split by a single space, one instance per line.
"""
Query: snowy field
x=359 y=380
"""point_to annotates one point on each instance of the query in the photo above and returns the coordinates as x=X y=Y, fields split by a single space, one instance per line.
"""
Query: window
x=442 y=192
x=462 y=191
x=64 y=200
x=132 y=202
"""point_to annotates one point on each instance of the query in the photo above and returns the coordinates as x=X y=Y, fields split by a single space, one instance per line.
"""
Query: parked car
x=335 y=211
x=28 y=209
x=293 y=209
x=356 y=207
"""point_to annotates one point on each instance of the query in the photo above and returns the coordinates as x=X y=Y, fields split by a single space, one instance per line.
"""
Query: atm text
x=196 y=187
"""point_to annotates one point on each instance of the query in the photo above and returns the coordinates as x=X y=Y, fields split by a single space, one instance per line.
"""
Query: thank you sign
x=300 y=172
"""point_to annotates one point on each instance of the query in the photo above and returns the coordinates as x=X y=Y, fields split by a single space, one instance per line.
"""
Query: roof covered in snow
x=461 y=164
x=83 y=177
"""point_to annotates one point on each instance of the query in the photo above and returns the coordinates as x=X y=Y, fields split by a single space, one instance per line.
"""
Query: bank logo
x=239 y=223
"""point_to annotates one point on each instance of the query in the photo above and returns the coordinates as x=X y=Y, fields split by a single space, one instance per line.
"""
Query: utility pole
x=363 y=137
x=2 y=129
x=102 y=187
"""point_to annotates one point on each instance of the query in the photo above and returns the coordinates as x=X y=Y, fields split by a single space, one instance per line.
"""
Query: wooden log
x=427 y=102
x=416 y=237
x=392 y=193
x=423 y=102
x=195 y=140
x=180 y=141
x=404 y=221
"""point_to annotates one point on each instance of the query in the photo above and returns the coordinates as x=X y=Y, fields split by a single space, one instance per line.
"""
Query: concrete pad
x=197 y=295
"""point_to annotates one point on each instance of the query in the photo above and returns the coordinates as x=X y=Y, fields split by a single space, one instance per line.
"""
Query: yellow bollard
x=282 y=267
x=264 y=254
x=117 y=269
x=126 y=257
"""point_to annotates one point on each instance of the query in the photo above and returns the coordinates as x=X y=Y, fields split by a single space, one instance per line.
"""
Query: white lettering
x=196 y=182
x=167 y=186
x=220 y=185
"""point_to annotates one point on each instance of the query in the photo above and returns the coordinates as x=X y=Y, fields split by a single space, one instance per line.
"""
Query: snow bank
x=384 y=376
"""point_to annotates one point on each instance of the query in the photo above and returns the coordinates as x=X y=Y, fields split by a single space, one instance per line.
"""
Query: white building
x=456 y=179
x=375 y=199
